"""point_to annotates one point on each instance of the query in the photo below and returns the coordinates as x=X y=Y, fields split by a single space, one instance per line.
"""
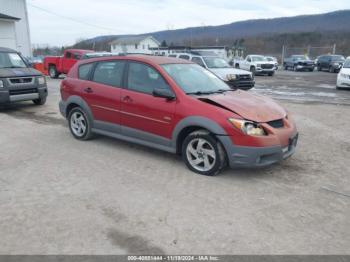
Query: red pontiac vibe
x=176 y=106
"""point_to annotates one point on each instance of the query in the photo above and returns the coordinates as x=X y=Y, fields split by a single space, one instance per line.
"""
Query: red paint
x=160 y=116
x=64 y=63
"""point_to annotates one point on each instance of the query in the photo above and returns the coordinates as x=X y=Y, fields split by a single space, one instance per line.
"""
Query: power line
x=69 y=18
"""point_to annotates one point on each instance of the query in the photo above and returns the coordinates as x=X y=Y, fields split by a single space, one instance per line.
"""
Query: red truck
x=56 y=65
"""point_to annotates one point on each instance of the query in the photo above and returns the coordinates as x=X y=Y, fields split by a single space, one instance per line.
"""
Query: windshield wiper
x=220 y=91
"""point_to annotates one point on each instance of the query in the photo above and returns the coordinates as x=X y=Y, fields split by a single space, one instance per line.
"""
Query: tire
x=79 y=124
x=311 y=69
x=331 y=69
x=271 y=74
x=252 y=69
x=53 y=72
x=39 y=102
x=295 y=69
x=202 y=147
x=237 y=66
x=285 y=67
x=319 y=68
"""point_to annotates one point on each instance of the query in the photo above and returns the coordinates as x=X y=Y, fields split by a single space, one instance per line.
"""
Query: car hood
x=338 y=61
x=223 y=72
x=18 y=72
x=345 y=71
x=248 y=106
x=305 y=61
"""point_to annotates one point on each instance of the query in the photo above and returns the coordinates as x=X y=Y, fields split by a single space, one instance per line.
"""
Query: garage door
x=7 y=34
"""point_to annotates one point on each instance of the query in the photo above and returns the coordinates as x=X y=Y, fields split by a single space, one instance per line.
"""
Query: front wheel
x=40 y=101
x=79 y=124
x=203 y=154
x=271 y=73
x=253 y=70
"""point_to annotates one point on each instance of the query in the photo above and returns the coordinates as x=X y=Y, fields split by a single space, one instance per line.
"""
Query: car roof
x=7 y=50
x=158 y=60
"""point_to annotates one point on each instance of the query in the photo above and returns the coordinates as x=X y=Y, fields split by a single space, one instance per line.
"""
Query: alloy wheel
x=78 y=124
x=201 y=154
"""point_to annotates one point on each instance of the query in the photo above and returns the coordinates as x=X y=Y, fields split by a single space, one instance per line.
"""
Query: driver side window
x=143 y=78
x=249 y=59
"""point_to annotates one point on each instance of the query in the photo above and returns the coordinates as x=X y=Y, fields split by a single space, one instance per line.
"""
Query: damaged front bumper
x=244 y=156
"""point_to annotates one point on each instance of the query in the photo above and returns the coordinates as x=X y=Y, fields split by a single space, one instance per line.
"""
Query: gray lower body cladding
x=22 y=94
x=238 y=156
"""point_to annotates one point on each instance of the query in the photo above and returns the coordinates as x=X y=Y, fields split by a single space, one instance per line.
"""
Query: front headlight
x=41 y=80
x=248 y=127
x=1 y=84
x=231 y=77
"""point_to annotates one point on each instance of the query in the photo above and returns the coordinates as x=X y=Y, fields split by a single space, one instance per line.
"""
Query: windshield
x=270 y=59
x=301 y=57
x=258 y=58
x=347 y=64
x=216 y=62
x=194 y=79
x=338 y=58
x=11 y=60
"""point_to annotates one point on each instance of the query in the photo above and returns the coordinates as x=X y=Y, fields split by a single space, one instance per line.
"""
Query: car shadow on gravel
x=28 y=111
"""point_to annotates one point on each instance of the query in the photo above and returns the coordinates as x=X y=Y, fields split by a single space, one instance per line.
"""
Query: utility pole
x=283 y=53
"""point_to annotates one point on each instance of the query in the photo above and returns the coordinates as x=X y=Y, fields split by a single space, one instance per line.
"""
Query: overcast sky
x=63 y=22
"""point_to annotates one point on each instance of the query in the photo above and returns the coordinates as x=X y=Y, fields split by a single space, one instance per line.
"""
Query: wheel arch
x=191 y=124
x=76 y=101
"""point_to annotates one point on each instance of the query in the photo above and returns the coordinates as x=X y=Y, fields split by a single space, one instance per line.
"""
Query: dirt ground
x=62 y=196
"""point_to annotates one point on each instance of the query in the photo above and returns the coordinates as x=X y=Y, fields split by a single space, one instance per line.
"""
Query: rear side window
x=198 y=61
x=184 y=57
x=109 y=73
x=68 y=55
x=143 y=78
x=84 y=71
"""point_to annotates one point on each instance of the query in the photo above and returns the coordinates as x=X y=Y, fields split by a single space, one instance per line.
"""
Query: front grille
x=23 y=91
x=266 y=66
x=276 y=123
x=244 y=77
x=21 y=80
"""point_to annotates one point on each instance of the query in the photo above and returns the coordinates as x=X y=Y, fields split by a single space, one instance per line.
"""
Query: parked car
x=177 y=106
x=299 y=63
x=97 y=54
x=235 y=78
x=332 y=63
x=57 y=65
x=19 y=82
x=257 y=64
x=273 y=59
x=343 y=80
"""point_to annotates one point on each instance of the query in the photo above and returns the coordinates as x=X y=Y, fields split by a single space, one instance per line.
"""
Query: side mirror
x=163 y=93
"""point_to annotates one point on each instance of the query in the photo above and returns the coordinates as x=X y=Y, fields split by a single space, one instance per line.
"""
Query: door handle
x=127 y=99
x=88 y=90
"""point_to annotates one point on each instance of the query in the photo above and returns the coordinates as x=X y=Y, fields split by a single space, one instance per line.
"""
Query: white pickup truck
x=257 y=64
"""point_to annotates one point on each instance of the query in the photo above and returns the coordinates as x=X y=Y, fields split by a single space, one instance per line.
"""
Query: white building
x=14 y=26
x=134 y=45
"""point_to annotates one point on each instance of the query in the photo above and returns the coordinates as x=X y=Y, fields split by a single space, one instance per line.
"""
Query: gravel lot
x=62 y=196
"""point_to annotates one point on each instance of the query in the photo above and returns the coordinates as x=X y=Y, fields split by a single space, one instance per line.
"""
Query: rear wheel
x=237 y=66
x=53 y=72
x=271 y=73
x=79 y=124
x=203 y=154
